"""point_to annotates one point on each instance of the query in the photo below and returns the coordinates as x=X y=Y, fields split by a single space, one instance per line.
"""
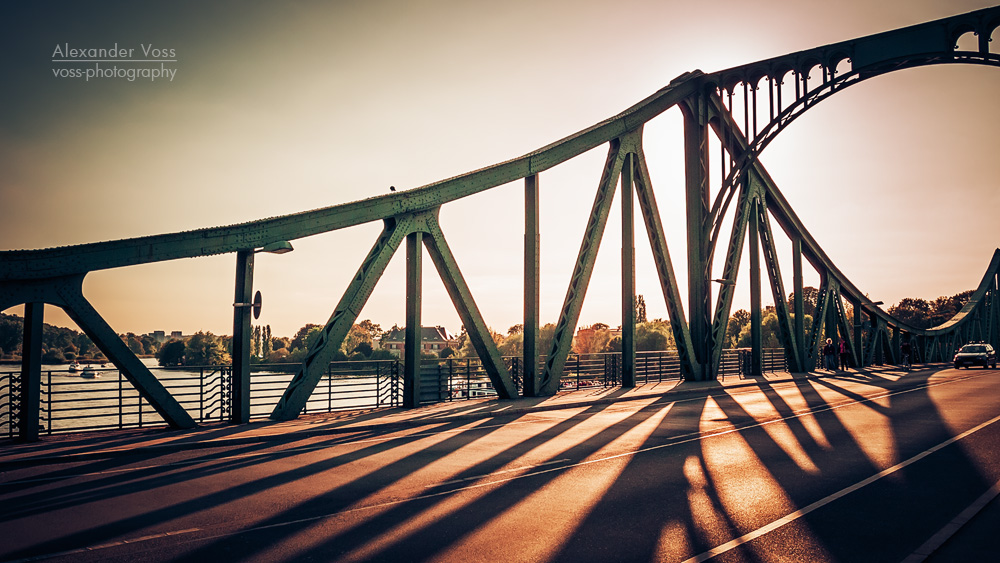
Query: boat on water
x=75 y=366
x=90 y=373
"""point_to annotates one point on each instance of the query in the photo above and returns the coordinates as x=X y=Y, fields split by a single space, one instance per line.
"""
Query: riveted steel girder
x=628 y=271
x=532 y=267
x=724 y=300
x=53 y=262
x=29 y=399
x=67 y=293
x=241 y=337
x=699 y=252
x=107 y=340
x=789 y=339
x=414 y=305
x=358 y=291
x=468 y=312
x=664 y=268
x=756 y=336
x=580 y=279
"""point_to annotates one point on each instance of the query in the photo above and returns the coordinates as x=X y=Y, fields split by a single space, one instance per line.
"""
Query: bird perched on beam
x=392 y=188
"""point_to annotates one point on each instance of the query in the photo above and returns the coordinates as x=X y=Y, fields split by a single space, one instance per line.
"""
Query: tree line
x=362 y=341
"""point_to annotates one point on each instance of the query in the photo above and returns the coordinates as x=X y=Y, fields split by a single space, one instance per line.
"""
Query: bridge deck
x=95 y=445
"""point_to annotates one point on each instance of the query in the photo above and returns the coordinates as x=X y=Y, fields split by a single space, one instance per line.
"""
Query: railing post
x=121 y=401
x=48 y=404
x=201 y=394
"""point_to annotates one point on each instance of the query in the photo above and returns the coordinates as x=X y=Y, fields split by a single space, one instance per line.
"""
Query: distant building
x=433 y=339
x=161 y=336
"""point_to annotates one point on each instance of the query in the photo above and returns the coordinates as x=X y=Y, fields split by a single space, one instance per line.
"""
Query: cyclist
x=905 y=349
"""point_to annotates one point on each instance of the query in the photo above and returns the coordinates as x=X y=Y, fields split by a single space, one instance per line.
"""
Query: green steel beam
x=789 y=339
x=756 y=342
x=734 y=253
x=468 y=312
x=358 y=291
x=570 y=313
x=29 y=398
x=799 y=304
x=894 y=345
x=70 y=291
x=414 y=302
x=665 y=269
x=843 y=323
x=241 y=337
x=532 y=267
x=47 y=263
x=859 y=344
x=628 y=271
x=819 y=321
x=696 y=161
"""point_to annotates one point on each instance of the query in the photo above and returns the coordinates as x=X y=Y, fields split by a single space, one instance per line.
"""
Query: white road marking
x=938 y=539
x=511 y=470
x=730 y=545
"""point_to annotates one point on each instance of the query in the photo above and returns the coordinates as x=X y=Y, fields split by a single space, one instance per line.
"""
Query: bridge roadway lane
x=786 y=467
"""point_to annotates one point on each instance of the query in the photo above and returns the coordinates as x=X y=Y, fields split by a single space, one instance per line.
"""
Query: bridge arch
x=920 y=46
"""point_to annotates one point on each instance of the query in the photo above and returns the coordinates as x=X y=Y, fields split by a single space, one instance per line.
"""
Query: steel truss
x=55 y=276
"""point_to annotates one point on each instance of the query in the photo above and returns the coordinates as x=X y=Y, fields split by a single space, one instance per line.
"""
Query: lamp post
x=242 y=307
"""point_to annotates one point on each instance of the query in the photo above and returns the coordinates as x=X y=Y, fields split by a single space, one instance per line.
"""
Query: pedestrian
x=829 y=355
x=844 y=356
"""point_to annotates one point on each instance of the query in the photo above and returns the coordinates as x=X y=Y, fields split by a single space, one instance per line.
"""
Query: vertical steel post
x=799 y=305
x=241 y=338
x=628 y=273
x=31 y=373
x=529 y=377
x=411 y=342
x=756 y=340
x=896 y=341
x=857 y=352
x=698 y=233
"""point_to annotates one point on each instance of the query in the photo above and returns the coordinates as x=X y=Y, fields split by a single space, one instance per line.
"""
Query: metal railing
x=71 y=403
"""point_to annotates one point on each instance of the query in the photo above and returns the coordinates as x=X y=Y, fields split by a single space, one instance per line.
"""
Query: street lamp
x=242 y=307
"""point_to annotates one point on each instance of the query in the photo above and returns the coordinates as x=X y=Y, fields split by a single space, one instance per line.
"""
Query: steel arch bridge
x=729 y=104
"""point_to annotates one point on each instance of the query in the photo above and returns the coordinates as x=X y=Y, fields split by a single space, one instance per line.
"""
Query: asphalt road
x=852 y=469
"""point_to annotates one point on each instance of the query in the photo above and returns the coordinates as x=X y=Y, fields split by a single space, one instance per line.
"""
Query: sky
x=275 y=108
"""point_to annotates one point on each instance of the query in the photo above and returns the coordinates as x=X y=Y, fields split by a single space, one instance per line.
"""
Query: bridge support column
x=756 y=341
x=529 y=371
x=628 y=273
x=859 y=343
x=698 y=233
x=241 y=338
x=31 y=373
x=412 y=340
x=799 y=304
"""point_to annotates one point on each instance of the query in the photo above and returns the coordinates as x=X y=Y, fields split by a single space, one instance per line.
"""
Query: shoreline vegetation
x=364 y=340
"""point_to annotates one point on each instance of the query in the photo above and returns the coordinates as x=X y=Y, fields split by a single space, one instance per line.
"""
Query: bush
x=171 y=353
x=53 y=356
x=382 y=354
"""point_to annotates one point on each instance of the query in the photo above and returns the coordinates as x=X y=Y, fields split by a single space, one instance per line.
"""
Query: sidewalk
x=81 y=446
